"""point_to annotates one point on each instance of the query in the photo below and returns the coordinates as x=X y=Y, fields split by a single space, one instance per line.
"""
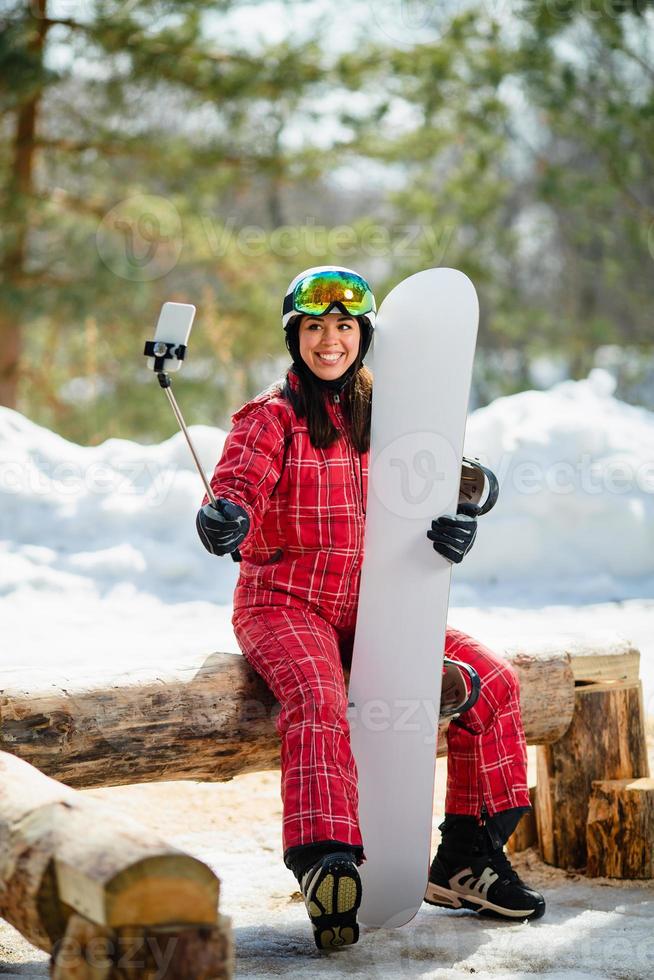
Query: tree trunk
x=620 y=829
x=20 y=190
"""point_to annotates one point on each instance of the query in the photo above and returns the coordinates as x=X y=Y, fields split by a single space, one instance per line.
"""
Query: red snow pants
x=301 y=655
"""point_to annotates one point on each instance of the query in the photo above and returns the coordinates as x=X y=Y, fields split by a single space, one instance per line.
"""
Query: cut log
x=92 y=952
x=62 y=852
x=604 y=658
x=208 y=721
x=606 y=740
x=620 y=829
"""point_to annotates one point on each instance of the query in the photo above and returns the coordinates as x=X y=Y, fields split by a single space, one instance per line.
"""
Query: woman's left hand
x=453 y=537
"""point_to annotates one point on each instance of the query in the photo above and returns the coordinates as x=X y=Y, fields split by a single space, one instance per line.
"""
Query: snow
x=101 y=540
x=592 y=929
x=100 y=562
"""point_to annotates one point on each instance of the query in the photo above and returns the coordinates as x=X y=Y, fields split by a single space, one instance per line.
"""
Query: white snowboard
x=424 y=346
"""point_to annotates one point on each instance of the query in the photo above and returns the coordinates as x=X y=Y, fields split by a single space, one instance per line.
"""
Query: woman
x=291 y=487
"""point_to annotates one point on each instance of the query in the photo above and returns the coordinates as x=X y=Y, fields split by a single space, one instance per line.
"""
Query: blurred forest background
x=205 y=152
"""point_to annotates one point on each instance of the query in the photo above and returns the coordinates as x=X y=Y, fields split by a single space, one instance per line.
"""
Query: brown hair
x=309 y=401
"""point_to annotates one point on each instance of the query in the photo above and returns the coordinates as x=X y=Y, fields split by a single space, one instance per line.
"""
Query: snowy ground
x=592 y=930
x=100 y=563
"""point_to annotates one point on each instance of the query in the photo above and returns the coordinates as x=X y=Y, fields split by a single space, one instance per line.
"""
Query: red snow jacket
x=306 y=508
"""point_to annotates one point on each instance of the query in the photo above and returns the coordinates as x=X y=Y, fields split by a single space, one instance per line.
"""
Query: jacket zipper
x=336 y=398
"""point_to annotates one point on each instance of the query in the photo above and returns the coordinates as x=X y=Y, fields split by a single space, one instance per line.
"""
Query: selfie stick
x=160 y=350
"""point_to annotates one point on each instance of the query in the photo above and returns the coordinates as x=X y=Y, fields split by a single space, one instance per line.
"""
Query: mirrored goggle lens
x=316 y=294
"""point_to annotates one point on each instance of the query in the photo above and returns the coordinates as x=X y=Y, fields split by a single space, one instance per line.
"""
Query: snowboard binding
x=478 y=483
x=454 y=695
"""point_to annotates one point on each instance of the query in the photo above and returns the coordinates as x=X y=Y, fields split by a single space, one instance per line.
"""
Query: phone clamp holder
x=163 y=351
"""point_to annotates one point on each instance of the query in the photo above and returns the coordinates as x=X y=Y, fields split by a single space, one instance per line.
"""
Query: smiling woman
x=328 y=317
x=329 y=344
x=292 y=486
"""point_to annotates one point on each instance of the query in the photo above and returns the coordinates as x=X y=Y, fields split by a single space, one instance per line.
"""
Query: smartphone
x=173 y=329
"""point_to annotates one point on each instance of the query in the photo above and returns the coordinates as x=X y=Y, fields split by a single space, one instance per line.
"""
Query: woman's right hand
x=222 y=528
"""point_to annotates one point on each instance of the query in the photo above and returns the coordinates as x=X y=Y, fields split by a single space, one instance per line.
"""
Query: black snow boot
x=332 y=894
x=471 y=870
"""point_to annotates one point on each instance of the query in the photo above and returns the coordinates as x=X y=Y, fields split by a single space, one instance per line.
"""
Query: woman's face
x=330 y=334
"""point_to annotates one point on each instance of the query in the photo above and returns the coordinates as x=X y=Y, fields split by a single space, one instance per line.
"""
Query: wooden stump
x=525 y=835
x=92 y=952
x=606 y=740
x=63 y=854
x=620 y=829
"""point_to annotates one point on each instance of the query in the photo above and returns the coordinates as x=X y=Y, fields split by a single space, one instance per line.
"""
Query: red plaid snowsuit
x=295 y=606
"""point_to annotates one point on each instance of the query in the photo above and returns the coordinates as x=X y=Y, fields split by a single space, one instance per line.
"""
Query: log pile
x=605 y=742
x=73 y=870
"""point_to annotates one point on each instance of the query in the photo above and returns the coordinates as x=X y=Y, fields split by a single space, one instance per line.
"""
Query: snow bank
x=91 y=519
x=574 y=522
x=575 y=517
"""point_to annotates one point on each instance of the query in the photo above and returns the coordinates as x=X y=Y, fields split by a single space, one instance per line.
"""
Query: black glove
x=453 y=537
x=221 y=531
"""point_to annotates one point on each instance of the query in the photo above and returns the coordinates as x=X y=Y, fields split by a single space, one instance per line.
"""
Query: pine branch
x=65 y=22
x=647 y=68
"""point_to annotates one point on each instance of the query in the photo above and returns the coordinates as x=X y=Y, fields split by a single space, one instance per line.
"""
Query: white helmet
x=317 y=290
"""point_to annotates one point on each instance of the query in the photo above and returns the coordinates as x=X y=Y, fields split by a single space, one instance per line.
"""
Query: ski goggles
x=316 y=294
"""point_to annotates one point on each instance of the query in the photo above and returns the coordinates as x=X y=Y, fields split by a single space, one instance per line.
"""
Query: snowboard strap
x=451 y=703
x=475 y=478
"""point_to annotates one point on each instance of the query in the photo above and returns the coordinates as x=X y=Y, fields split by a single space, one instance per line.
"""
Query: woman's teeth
x=329 y=358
